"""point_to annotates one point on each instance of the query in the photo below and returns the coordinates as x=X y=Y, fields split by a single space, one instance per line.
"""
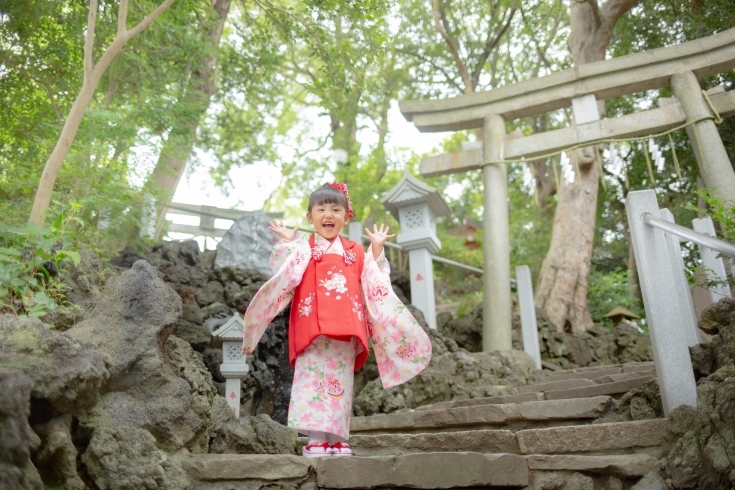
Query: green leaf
x=10 y=251
x=75 y=205
x=75 y=257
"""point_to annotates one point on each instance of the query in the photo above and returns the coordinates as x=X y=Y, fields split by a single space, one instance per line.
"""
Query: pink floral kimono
x=322 y=392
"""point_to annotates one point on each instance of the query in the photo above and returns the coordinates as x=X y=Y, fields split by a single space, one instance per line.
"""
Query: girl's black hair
x=327 y=194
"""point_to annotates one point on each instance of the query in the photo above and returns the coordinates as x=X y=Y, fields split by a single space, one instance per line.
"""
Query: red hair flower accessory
x=343 y=189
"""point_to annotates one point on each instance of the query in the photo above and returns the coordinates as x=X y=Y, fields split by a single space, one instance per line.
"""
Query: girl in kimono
x=340 y=296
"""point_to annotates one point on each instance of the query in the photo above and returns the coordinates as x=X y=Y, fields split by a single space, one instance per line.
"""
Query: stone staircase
x=548 y=436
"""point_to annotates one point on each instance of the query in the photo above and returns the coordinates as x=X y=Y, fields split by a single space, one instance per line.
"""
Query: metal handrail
x=715 y=244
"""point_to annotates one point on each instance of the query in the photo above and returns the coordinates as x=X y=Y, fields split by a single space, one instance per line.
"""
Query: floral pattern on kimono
x=402 y=348
x=322 y=391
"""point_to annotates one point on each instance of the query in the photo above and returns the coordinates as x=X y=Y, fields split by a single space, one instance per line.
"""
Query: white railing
x=665 y=290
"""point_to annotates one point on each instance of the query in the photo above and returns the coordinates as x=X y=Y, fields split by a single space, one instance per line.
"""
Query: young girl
x=340 y=295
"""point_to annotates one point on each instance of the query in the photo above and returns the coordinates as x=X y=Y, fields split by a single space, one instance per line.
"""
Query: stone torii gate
x=679 y=66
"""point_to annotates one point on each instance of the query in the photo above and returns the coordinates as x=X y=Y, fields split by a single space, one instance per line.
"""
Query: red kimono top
x=328 y=301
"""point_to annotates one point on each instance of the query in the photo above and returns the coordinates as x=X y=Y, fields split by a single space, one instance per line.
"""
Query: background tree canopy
x=293 y=81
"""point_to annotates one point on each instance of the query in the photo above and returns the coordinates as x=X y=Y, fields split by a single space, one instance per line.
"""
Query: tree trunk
x=564 y=276
x=176 y=150
x=92 y=74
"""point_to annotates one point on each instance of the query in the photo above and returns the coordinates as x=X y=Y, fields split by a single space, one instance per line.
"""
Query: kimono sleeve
x=402 y=348
x=288 y=261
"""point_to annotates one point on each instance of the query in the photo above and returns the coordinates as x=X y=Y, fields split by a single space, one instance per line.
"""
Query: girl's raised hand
x=377 y=238
x=281 y=230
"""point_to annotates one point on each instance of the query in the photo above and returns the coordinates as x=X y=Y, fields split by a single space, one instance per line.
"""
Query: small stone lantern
x=234 y=365
x=416 y=206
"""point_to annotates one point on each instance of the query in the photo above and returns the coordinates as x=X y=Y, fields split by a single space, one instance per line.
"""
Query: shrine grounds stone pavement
x=549 y=436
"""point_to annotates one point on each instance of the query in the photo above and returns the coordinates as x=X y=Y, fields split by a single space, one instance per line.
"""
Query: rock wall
x=598 y=345
x=453 y=374
x=117 y=400
x=703 y=456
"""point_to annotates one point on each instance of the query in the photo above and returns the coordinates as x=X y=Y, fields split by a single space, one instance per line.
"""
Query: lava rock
x=16 y=470
x=254 y=435
x=179 y=263
x=720 y=351
x=452 y=374
x=126 y=258
x=67 y=372
x=704 y=456
x=125 y=458
x=156 y=382
x=57 y=457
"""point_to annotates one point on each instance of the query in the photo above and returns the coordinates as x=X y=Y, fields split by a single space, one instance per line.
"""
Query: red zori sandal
x=341 y=449
x=316 y=450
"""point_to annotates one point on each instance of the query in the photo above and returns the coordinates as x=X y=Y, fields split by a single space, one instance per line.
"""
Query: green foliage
x=610 y=289
x=723 y=214
x=30 y=261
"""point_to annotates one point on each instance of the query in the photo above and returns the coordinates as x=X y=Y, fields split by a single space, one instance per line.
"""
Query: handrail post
x=677 y=264
x=528 y=314
x=664 y=314
x=714 y=265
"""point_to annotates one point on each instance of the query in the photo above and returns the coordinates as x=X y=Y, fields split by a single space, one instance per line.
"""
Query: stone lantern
x=234 y=365
x=416 y=206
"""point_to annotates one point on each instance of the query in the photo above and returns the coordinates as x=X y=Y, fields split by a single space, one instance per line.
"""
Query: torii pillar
x=496 y=299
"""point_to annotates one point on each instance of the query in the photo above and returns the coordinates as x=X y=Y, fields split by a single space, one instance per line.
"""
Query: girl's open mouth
x=328 y=226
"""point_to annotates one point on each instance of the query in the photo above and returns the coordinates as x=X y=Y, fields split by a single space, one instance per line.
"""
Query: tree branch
x=440 y=24
x=122 y=17
x=490 y=45
x=595 y=11
x=89 y=41
x=612 y=10
x=433 y=64
x=148 y=19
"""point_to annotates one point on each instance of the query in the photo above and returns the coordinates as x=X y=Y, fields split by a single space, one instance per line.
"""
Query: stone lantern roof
x=232 y=330
x=622 y=312
x=410 y=190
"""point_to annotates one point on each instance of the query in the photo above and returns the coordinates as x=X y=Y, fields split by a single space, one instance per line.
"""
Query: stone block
x=556 y=385
x=584 y=374
x=211 y=467
x=621 y=466
x=437 y=419
x=652 y=481
x=480 y=441
x=432 y=470
x=592 y=438
x=483 y=415
x=611 y=378
x=577 y=408
x=613 y=388
x=499 y=400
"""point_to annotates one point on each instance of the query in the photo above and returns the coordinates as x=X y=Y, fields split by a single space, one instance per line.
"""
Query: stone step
x=556 y=385
x=520 y=398
x=509 y=415
x=430 y=471
x=614 y=388
x=596 y=371
x=591 y=389
x=478 y=441
x=586 y=374
x=645 y=436
x=623 y=376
